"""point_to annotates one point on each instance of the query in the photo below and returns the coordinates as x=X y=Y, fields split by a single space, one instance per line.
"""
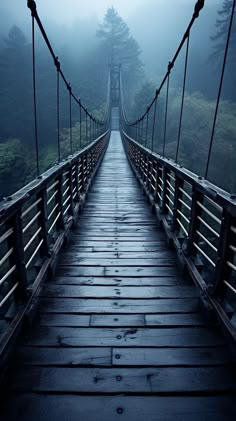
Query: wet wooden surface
x=119 y=332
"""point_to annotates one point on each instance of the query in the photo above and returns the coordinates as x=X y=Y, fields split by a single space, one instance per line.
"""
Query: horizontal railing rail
x=200 y=220
x=34 y=222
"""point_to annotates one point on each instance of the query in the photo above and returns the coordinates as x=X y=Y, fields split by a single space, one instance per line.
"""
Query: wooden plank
x=69 y=320
x=170 y=357
x=115 y=271
x=73 y=261
x=75 y=291
x=194 y=319
x=127 y=248
x=123 y=380
x=113 y=408
x=115 y=320
x=135 y=337
x=88 y=238
x=139 y=271
x=131 y=246
x=81 y=271
x=79 y=255
x=70 y=357
x=141 y=320
x=119 y=281
x=87 y=306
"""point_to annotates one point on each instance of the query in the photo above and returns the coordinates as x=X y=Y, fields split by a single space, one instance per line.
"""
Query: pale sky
x=71 y=9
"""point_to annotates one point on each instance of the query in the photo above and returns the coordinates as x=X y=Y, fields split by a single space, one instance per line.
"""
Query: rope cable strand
x=33 y=8
x=183 y=96
x=197 y=9
x=220 y=88
x=35 y=98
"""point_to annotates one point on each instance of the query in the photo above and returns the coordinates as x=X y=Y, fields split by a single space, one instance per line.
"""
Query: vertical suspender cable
x=166 y=109
x=146 y=139
x=35 y=99
x=142 y=131
x=80 y=125
x=57 y=64
x=183 y=95
x=154 y=119
x=220 y=88
x=90 y=130
x=86 y=135
x=70 y=118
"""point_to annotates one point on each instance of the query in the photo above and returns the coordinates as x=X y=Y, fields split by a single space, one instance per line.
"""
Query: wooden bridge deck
x=119 y=332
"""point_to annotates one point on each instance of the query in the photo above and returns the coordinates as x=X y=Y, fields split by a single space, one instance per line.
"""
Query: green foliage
x=195 y=137
x=142 y=99
x=16 y=167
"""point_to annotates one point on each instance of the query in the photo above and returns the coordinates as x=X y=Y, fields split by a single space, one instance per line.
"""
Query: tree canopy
x=118 y=47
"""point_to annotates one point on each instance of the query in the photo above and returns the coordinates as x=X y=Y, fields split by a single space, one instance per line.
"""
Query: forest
x=86 y=61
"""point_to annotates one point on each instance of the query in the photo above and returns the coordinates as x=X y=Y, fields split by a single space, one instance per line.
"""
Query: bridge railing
x=34 y=223
x=200 y=220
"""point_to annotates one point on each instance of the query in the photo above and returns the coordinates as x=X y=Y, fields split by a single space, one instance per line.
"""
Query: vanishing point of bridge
x=100 y=318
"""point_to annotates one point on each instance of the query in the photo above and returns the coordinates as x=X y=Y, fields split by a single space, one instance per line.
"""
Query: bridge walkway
x=119 y=332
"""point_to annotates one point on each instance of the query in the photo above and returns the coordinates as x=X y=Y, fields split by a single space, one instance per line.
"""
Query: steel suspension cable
x=154 y=120
x=35 y=98
x=197 y=9
x=57 y=64
x=166 y=109
x=32 y=6
x=220 y=87
x=80 y=126
x=70 y=118
x=183 y=95
x=146 y=139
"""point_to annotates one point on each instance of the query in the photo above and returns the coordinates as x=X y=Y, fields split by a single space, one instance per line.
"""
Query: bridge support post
x=189 y=249
x=17 y=259
x=42 y=207
x=60 y=222
x=222 y=270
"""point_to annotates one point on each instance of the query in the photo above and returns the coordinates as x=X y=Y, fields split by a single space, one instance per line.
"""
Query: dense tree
x=16 y=86
x=16 y=166
x=118 y=47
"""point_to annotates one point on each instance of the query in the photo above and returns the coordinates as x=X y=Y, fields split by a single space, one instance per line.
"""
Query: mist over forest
x=78 y=36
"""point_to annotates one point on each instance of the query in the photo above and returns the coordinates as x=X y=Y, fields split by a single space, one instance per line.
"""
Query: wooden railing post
x=60 y=222
x=222 y=270
x=178 y=195
x=194 y=222
x=18 y=257
x=42 y=207
x=164 y=192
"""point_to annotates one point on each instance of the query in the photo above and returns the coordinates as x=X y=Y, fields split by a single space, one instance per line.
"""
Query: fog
x=158 y=27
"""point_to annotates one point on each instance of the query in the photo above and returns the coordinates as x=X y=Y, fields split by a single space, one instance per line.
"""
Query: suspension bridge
x=117 y=274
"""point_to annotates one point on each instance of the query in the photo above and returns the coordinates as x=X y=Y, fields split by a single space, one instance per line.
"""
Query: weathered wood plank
x=140 y=271
x=110 y=255
x=74 y=291
x=170 y=357
x=69 y=320
x=71 y=357
x=135 y=337
x=116 y=271
x=113 y=408
x=123 y=380
x=114 y=320
x=119 y=281
x=77 y=262
x=141 y=320
x=87 y=306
